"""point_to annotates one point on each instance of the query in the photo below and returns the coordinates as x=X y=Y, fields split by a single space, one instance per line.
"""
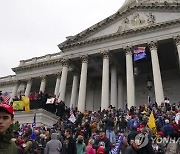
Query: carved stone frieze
x=151 y=18
x=84 y=58
x=137 y=20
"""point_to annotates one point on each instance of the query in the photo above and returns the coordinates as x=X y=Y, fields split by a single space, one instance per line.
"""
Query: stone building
x=95 y=68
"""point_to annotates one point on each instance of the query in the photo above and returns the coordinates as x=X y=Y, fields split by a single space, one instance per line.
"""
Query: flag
x=116 y=150
x=26 y=103
x=18 y=105
x=6 y=97
x=139 y=53
x=34 y=122
x=72 y=118
x=151 y=123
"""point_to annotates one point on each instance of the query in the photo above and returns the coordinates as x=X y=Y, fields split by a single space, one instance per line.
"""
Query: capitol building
x=95 y=68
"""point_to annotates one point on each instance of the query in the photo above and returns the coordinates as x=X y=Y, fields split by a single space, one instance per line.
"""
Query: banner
x=26 y=103
x=151 y=123
x=50 y=100
x=18 y=105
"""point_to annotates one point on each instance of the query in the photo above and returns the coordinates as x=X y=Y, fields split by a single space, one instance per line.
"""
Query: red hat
x=7 y=107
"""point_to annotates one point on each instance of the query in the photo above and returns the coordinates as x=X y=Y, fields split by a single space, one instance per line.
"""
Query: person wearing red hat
x=7 y=146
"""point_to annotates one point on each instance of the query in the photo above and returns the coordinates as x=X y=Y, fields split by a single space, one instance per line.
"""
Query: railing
x=7 y=78
x=40 y=59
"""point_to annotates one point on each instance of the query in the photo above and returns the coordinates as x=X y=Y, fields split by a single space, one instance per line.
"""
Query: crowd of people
x=116 y=131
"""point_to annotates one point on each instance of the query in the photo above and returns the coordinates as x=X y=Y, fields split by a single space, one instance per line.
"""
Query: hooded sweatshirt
x=54 y=146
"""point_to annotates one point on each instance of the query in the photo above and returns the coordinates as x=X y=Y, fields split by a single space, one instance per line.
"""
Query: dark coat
x=69 y=146
x=168 y=130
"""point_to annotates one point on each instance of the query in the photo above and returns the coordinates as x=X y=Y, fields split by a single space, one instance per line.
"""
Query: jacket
x=54 y=146
x=168 y=130
x=7 y=146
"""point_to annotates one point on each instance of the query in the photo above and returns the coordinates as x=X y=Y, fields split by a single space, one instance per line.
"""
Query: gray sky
x=32 y=28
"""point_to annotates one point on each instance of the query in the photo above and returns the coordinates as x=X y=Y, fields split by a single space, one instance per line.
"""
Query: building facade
x=95 y=68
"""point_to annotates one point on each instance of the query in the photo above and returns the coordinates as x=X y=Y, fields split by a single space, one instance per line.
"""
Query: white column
x=120 y=92
x=56 y=90
x=28 y=87
x=177 y=39
x=130 y=78
x=74 y=90
x=105 y=81
x=156 y=73
x=83 y=82
x=114 y=86
x=63 y=81
x=43 y=84
x=14 y=92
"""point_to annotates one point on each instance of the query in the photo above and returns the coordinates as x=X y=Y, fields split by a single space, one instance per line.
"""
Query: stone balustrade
x=42 y=117
x=40 y=59
x=7 y=78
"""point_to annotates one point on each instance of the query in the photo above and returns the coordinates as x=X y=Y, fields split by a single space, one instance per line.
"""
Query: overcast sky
x=32 y=28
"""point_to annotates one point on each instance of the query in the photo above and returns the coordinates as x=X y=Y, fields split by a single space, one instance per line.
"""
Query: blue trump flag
x=139 y=53
x=116 y=150
x=34 y=122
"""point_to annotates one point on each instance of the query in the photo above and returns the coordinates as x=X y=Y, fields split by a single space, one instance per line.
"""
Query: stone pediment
x=125 y=20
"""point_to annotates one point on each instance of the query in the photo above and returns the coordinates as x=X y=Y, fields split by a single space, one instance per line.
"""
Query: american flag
x=6 y=97
x=139 y=53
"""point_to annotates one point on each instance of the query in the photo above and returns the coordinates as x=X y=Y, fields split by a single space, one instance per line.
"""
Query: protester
x=168 y=130
x=54 y=146
x=7 y=146
x=89 y=148
x=80 y=145
x=101 y=130
x=102 y=143
x=132 y=148
x=69 y=143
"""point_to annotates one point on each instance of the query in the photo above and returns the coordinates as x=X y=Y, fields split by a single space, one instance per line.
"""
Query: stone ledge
x=42 y=117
